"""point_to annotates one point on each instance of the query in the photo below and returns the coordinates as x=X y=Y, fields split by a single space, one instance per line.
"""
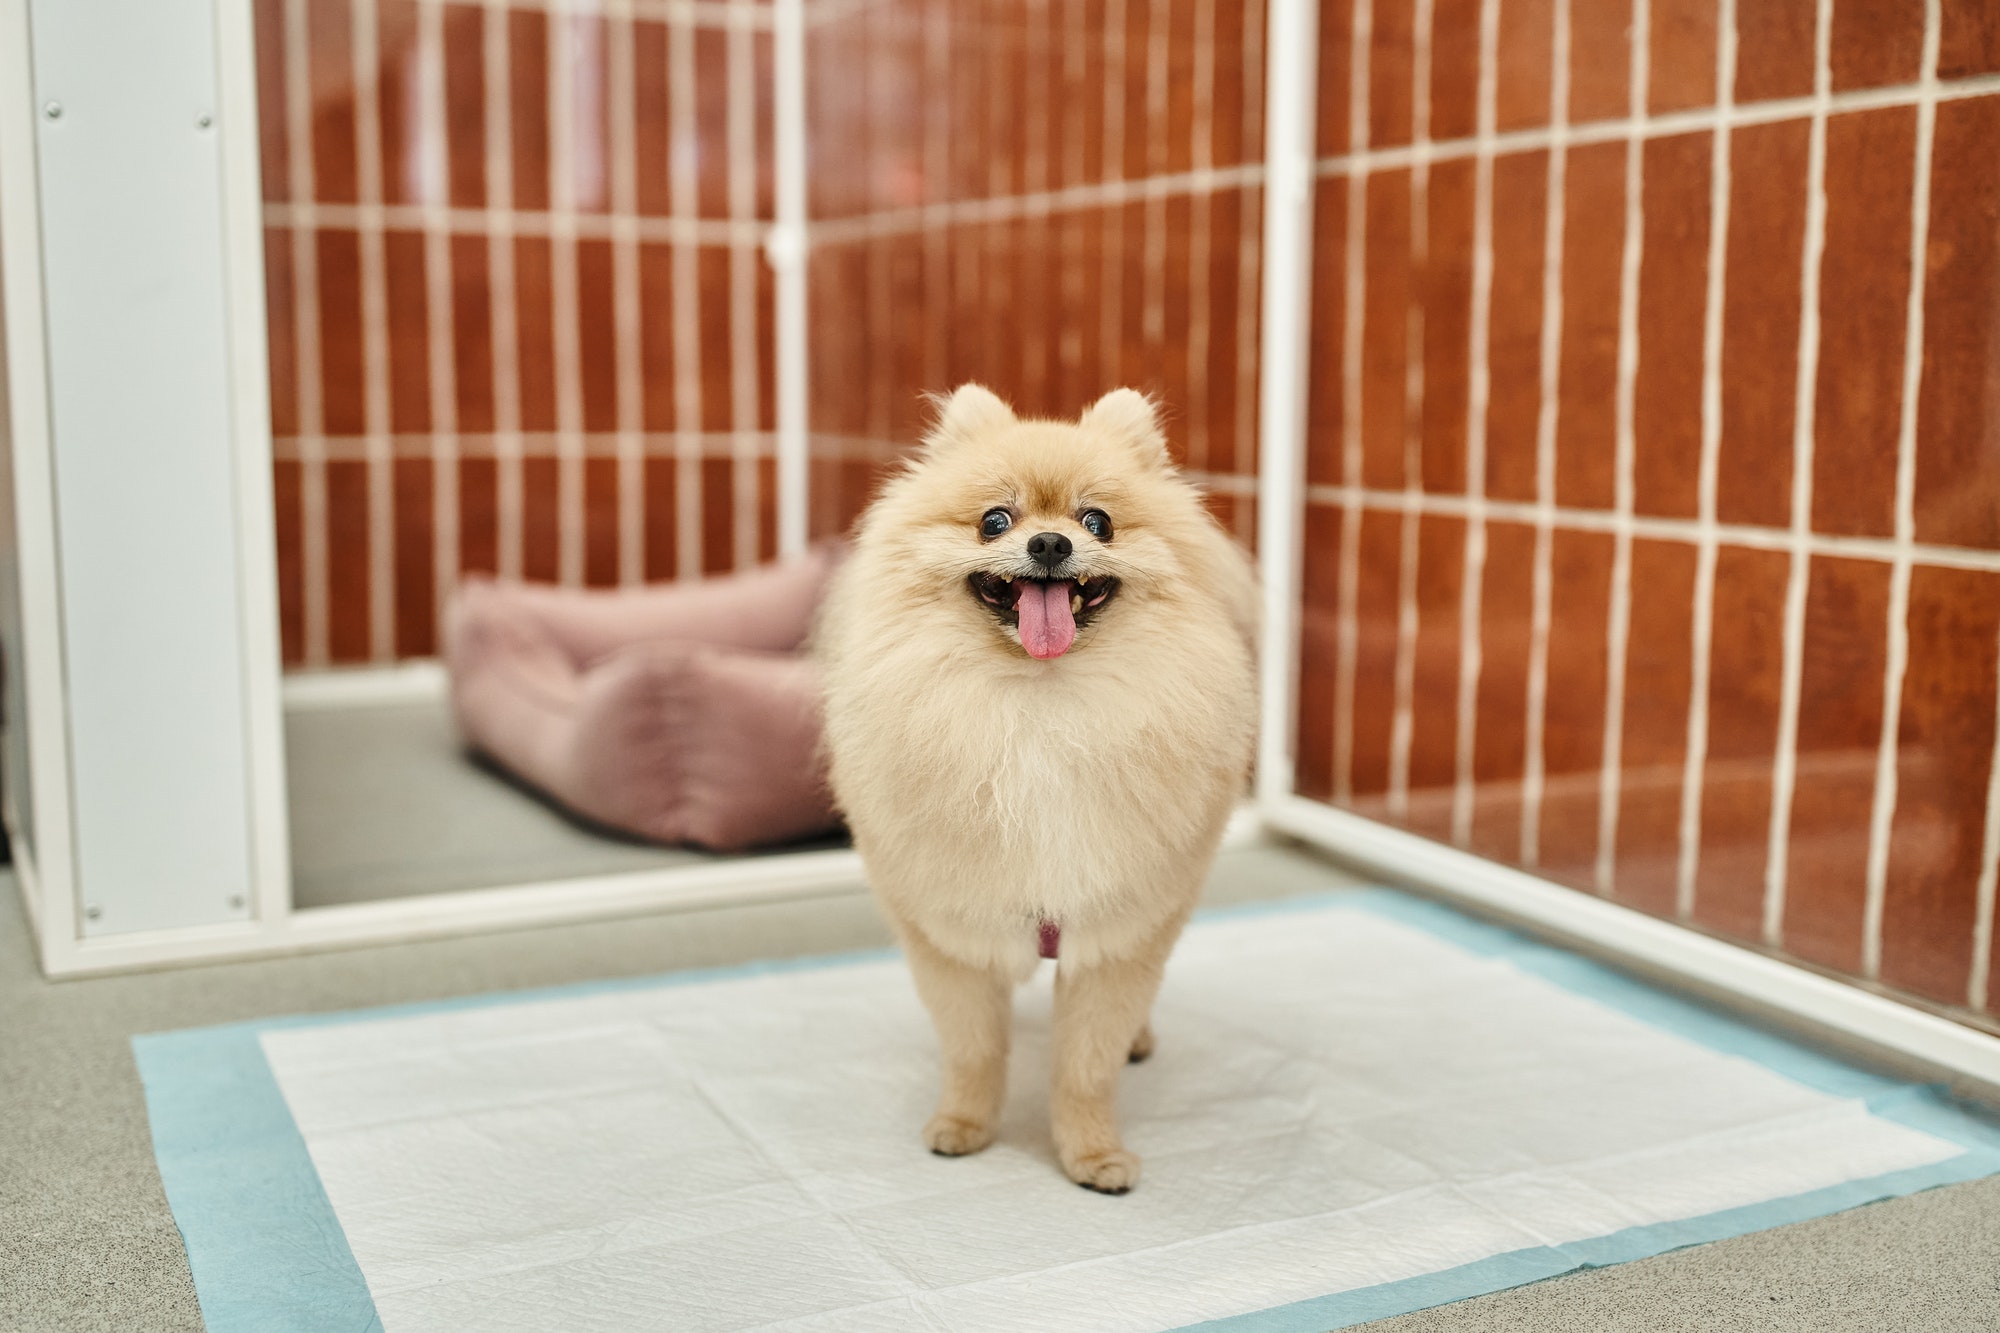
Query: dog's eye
x=995 y=522
x=1097 y=523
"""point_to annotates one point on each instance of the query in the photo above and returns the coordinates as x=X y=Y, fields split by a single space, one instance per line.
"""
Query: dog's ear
x=1130 y=416
x=971 y=409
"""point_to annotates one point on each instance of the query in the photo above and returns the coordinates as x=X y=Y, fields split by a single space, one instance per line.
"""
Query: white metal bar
x=1694 y=768
x=1882 y=814
x=1287 y=306
x=47 y=844
x=1784 y=764
x=786 y=249
x=250 y=432
x=1806 y=1000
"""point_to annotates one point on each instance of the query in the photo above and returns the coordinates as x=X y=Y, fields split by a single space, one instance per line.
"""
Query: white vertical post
x=1289 y=121
x=786 y=248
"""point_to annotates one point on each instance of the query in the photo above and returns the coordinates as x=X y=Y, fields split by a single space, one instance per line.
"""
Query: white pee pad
x=1340 y=1099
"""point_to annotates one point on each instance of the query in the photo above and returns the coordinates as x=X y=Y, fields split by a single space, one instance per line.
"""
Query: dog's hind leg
x=971 y=1008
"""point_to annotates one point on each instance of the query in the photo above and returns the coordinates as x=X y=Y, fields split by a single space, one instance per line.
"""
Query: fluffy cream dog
x=1040 y=708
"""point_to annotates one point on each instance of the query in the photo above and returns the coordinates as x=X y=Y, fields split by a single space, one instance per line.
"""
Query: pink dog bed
x=683 y=713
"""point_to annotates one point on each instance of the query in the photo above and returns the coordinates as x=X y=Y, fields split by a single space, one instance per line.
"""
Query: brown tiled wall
x=504 y=335
x=1596 y=581
x=1054 y=197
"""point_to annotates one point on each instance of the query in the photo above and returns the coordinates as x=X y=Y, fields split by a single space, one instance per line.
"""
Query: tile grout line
x=1979 y=975
x=1784 y=770
x=611 y=225
x=1479 y=390
x=1882 y=814
x=683 y=186
x=371 y=241
x=1347 y=614
x=440 y=318
x=1687 y=530
x=1618 y=621
x=305 y=324
x=497 y=52
x=1665 y=124
x=1402 y=726
x=1702 y=647
x=597 y=444
x=695 y=13
x=1108 y=193
x=627 y=318
x=563 y=55
x=1201 y=241
x=1541 y=615
x=745 y=358
x=1249 y=311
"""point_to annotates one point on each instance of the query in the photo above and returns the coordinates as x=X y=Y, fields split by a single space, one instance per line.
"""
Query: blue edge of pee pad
x=268 y=1254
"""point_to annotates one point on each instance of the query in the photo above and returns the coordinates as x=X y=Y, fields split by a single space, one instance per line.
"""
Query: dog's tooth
x=1075 y=603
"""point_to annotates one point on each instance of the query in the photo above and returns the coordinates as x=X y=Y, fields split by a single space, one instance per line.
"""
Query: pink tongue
x=1047 y=627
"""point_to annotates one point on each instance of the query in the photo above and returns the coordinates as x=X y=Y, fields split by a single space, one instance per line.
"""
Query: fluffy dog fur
x=990 y=791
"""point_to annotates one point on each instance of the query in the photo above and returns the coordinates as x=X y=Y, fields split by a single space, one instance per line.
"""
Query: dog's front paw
x=1112 y=1172
x=955 y=1136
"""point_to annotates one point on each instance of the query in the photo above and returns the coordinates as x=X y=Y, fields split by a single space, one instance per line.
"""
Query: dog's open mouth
x=1046 y=612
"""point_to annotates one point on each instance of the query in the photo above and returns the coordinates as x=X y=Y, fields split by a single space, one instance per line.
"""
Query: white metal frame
x=1871 y=1024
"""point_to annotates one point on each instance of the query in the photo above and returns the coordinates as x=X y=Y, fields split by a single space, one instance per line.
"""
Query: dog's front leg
x=1100 y=1024
x=971 y=1008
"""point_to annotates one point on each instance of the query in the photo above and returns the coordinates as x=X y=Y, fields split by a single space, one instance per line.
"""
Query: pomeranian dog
x=1040 y=710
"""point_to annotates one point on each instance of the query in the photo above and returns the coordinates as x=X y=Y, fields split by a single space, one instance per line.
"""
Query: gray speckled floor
x=87 y=1242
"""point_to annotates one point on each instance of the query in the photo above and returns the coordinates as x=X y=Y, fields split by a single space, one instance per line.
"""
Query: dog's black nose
x=1049 y=549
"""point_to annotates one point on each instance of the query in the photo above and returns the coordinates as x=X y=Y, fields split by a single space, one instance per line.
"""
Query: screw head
x=93 y=912
x=236 y=902
x=204 y=120
x=53 y=110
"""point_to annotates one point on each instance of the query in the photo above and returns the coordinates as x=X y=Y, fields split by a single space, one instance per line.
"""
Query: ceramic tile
x=415 y=591
x=1525 y=51
x=1968 y=38
x=1514 y=325
x=1680 y=50
x=1658 y=677
x=1840 y=723
x=1760 y=323
x=1958 y=411
x=1876 y=42
x=1444 y=288
x=1745 y=678
x=1573 y=727
x=409 y=361
x=1600 y=60
x=1673 y=277
x=1774 y=50
x=1586 y=429
x=541 y=518
x=1499 y=751
x=347 y=560
x=1864 y=293
x=1434 y=677
x=1944 y=761
x=1385 y=330
x=1390 y=54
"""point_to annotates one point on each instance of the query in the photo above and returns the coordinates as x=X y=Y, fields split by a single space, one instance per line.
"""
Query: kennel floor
x=86 y=1239
x=385 y=803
